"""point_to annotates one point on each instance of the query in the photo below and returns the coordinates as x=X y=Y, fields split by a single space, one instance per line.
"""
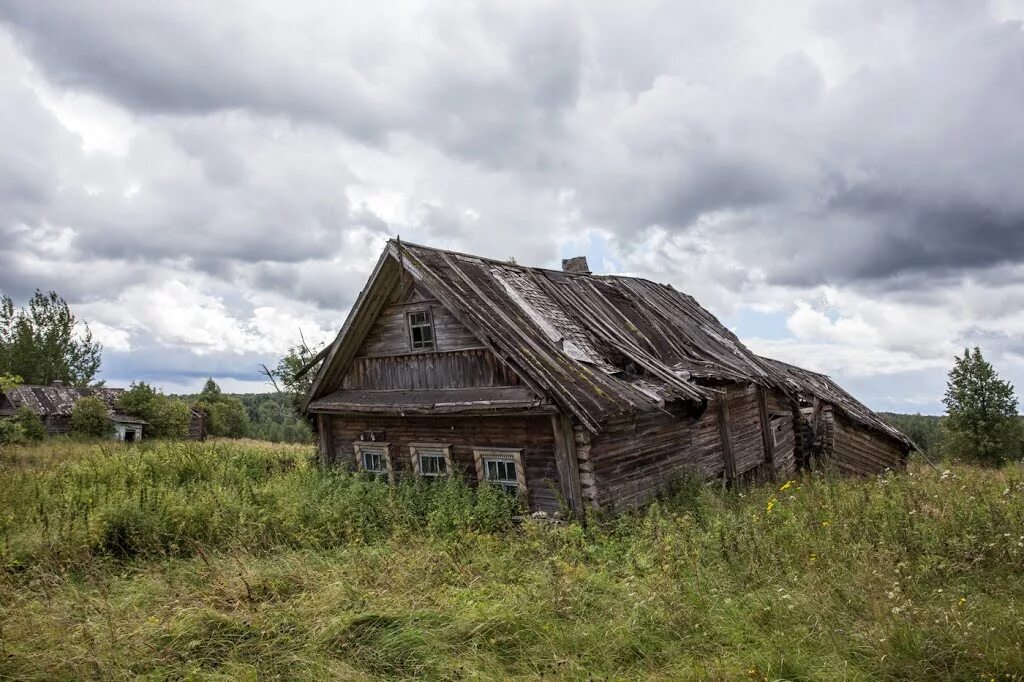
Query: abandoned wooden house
x=836 y=428
x=55 y=402
x=597 y=390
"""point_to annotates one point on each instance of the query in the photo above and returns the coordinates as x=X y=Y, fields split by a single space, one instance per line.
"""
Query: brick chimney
x=56 y=382
x=577 y=264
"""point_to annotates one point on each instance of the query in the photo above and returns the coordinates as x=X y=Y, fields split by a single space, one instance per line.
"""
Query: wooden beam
x=567 y=462
x=325 y=438
x=767 y=433
x=726 y=436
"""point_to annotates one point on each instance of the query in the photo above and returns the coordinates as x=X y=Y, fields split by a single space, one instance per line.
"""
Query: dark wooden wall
x=639 y=455
x=853 y=449
x=534 y=435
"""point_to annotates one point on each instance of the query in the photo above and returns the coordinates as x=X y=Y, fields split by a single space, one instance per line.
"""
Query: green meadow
x=243 y=560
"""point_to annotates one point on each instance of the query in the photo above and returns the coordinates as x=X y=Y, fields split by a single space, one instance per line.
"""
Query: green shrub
x=11 y=432
x=89 y=419
x=31 y=424
x=166 y=417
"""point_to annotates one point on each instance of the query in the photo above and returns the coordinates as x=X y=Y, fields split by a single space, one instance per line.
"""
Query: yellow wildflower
x=771 y=505
x=826 y=523
x=786 y=485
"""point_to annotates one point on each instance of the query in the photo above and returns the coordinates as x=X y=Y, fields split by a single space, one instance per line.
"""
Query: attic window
x=421 y=330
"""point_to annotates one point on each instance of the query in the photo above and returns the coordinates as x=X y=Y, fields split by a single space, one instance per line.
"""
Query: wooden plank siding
x=853 y=449
x=389 y=334
x=534 y=435
x=424 y=371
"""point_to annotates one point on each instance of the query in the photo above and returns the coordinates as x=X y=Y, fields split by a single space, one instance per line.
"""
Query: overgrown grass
x=245 y=561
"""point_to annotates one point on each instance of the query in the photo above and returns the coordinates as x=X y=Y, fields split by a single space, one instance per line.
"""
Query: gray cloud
x=267 y=151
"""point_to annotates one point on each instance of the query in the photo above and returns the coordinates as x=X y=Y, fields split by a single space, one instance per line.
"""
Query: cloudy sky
x=840 y=182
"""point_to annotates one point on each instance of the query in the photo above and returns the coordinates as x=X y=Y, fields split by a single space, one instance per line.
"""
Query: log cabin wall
x=853 y=449
x=534 y=435
x=638 y=455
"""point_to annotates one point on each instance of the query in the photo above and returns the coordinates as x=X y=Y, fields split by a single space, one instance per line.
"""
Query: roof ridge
x=505 y=263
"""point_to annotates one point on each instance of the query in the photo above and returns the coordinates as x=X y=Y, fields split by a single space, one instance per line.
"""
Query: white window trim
x=446 y=448
x=358 y=447
x=507 y=454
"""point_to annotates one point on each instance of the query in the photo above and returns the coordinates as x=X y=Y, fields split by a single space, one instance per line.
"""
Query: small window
x=502 y=467
x=776 y=424
x=373 y=458
x=421 y=330
x=432 y=460
x=374 y=462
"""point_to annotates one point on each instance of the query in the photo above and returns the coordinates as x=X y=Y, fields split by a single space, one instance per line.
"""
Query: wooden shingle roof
x=595 y=345
x=810 y=385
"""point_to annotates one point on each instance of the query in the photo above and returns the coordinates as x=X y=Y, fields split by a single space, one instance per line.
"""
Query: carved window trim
x=416 y=450
x=515 y=455
x=360 y=446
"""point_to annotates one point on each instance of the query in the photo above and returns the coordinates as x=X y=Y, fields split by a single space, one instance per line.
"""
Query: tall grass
x=245 y=561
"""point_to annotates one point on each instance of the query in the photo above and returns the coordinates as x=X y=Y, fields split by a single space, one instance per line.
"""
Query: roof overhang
x=465 y=401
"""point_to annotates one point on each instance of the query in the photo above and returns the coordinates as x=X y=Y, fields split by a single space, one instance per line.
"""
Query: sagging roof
x=55 y=400
x=597 y=345
x=809 y=385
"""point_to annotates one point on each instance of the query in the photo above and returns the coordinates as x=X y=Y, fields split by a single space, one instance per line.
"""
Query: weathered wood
x=767 y=431
x=567 y=461
x=723 y=425
x=389 y=334
x=433 y=370
x=325 y=439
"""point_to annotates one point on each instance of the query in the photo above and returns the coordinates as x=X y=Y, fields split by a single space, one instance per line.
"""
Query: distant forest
x=268 y=416
x=273 y=418
x=924 y=429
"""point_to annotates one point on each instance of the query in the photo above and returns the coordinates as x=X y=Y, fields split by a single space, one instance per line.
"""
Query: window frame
x=430 y=323
x=776 y=422
x=514 y=455
x=446 y=452
x=358 y=446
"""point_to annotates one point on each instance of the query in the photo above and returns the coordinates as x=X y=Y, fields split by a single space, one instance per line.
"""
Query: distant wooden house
x=55 y=402
x=597 y=390
x=197 y=424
